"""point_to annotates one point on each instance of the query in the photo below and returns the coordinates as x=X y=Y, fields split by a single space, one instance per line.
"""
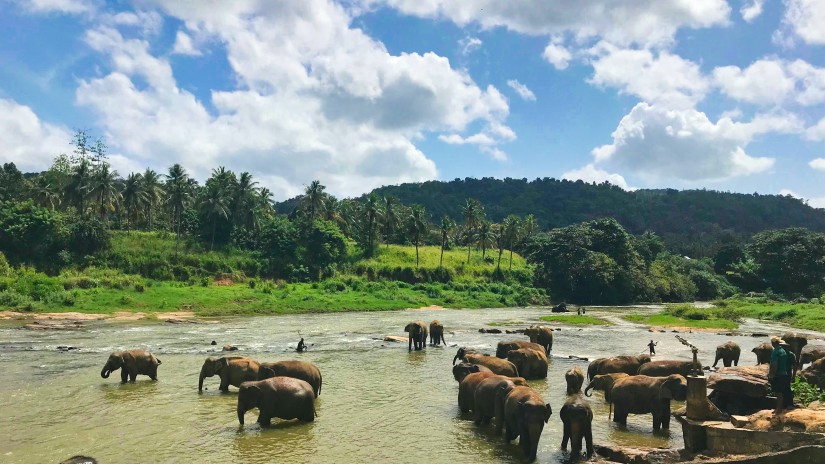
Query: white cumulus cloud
x=818 y=164
x=751 y=10
x=805 y=18
x=590 y=173
x=28 y=142
x=184 y=46
x=57 y=6
x=817 y=131
x=816 y=202
x=522 y=90
x=763 y=82
x=557 y=55
x=469 y=45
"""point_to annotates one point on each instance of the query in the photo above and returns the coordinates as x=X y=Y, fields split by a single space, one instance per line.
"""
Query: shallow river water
x=378 y=404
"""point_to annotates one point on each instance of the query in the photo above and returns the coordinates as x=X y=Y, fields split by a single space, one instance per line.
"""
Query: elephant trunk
x=455 y=358
x=105 y=372
x=241 y=412
x=200 y=380
x=588 y=389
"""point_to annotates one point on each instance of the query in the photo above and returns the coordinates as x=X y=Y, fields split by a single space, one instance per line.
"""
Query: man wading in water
x=301 y=346
x=779 y=375
x=652 y=347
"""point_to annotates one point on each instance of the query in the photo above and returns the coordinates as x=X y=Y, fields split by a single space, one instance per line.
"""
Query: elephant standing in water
x=525 y=414
x=505 y=347
x=577 y=417
x=488 y=399
x=467 y=390
x=303 y=370
x=464 y=369
x=665 y=368
x=604 y=383
x=640 y=394
x=531 y=364
x=282 y=397
x=233 y=370
x=728 y=353
x=763 y=353
x=796 y=341
x=628 y=364
x=464 y=351
x=132 y=363
x=417 y=335
x=437 y=333
x=574 y=378
x=541 y=335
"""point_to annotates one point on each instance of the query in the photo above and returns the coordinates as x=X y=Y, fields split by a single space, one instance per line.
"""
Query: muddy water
x=379 y=403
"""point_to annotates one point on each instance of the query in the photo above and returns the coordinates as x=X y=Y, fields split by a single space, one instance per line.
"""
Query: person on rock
x=779 y=375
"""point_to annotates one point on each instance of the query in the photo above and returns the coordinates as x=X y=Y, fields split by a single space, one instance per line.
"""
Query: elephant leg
x=124 y=376
x=409 y=343
x=524 y=440
x=133 y=376
x=735 y=361
x=565 y=435
x=726 y=362
x=264 y=419
x=588 y=439
x=666 y=418
x=224 y=384
x=478 y=417
x=619 y=416
x=716 y=361
x=509 y=433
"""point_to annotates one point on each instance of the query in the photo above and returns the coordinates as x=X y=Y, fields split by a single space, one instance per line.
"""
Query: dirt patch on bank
x=428 y=308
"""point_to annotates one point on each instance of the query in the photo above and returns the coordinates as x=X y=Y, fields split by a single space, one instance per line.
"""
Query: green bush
x=13 y=299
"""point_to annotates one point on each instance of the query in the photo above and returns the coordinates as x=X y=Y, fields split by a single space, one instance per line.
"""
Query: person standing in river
x=301 y=346
x=779 y=375
x=652 y=347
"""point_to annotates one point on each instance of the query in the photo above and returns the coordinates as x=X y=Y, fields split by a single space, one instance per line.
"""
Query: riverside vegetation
x=79 y=237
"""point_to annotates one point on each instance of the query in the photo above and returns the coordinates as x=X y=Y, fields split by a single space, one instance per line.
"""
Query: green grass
x=575 y=320
x=505 y=323
x=804 y=316
x=667 y=320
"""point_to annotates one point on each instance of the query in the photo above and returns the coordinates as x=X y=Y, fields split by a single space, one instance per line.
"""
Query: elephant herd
x=283 y=389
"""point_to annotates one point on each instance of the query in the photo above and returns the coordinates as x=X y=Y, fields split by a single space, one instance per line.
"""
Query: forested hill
x=557 y=203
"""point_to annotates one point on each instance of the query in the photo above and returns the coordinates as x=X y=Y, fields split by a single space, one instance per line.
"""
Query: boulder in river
x=560 y=308
x=750 y=381
x=395 y=339
x=489 y=331
x=230 y=348
x=811 y=353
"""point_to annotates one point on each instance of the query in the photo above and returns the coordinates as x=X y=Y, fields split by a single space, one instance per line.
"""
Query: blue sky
x=727 y=95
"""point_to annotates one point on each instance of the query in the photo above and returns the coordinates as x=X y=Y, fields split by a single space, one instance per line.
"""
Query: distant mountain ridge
x=674 y=214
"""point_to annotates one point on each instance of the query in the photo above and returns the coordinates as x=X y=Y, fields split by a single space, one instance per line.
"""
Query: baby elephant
x=133 y=362
x=281 y=397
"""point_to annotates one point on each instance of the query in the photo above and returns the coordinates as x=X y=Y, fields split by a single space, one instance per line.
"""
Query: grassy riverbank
x=574 y=320
x=801 y=315
x=687 y=315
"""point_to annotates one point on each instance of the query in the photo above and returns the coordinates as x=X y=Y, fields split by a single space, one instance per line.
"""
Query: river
x=379 y=403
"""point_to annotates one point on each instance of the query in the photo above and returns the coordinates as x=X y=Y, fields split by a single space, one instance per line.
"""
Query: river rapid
x=378 y=404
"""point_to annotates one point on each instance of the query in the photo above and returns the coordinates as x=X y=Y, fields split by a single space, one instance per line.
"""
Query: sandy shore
x=427 y=308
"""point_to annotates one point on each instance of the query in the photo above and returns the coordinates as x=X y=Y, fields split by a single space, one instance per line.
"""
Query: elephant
x=796 y=341
x=467 y=390
x=233 y=370
x=488 y=399
x=577 y=417
x=132 y=363
x=815 y=373
x=417 y=335
x=560 y=308
x=525 y=414
x=763 y=353
x=574 y=378
x=463 y=369
x=498 y=366
x=303 y=370
x=665 y=368
x=728 y=353
x=811 y=353
x=80 y=459
x=282 y=397
x=531 y=364
x=437 y=333
x=627 y=364
x=541 y=335
x=604 y=383
x=464 y=351
x=505 y=347
x=640 y=394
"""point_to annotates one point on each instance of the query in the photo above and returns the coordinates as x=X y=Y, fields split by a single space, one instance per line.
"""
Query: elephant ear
x=223 y=363
x=665 y=389
x=407 y=327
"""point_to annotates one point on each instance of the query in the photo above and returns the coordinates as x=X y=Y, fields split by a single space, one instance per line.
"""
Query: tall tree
x=472 y=213
x=214 y=204
x=153 y=190
x=78 y=185
x=313 y=201
x=372 y=214
x=447 y=227
x=178 y=194
x=243 y=202
x=45 y=193
x=103 y=188
x=134 y=198
x=417 y=226
x=486 y=237
x=390 y=217
x=510 y=233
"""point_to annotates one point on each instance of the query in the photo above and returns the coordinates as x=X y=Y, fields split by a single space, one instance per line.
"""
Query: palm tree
x=372 y=213
x=390 y=218
x=313 y=200
x=418 y=226
x=214 y=203
x=77 y=189
x=243 y=201
x=498 y=232
x=103 y=187
x=178 y=191
x=44 y=193
x=472 y=213
x=512 y=228
x=486 y=237
x=529 y=227
x=134 y=197
x=447 y=226
x=153 y=191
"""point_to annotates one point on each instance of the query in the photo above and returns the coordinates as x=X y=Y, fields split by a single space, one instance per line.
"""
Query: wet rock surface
x=815 y=373
x=749 y=381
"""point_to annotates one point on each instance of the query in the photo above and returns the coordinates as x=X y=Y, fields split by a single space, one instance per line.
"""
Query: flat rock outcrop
x=750 y=381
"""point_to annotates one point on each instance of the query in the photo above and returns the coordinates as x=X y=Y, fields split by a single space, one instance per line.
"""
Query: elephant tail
x=320 y=383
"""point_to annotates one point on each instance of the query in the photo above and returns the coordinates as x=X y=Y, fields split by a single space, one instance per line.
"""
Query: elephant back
x=666 y=368
x=295 y=369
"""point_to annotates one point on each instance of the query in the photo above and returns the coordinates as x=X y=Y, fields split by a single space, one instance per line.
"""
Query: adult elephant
x=233 y=370
x=628 y=364
x=729 y=354
x=498 y=366
x=488 y=399
x=467 y=390
x=464 y=369
x=640 y=394
x=577 y=417
x=530 y=364
x=525 y=414
x=281 y=397
x=796 y=341
x=132 y=363
x=763 y=353
x=505 y=347
x=604 y=383
x=665 y=368
x=541 y=335
x=574 y=377
x=437 y=333
x=294 y=368
x=464 y=351
x=417 y=335
x=812 y=353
